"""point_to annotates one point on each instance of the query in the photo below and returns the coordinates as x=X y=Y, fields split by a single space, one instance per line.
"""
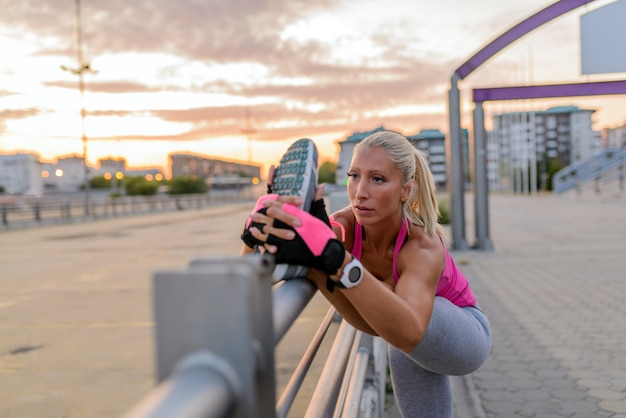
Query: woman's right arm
x=345 y=218
x=340 y=302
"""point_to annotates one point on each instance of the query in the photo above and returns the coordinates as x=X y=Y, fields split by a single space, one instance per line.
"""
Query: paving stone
x=558 y=335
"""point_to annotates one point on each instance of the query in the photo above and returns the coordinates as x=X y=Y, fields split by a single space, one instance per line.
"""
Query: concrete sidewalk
x=553 y=290
x=76 y=319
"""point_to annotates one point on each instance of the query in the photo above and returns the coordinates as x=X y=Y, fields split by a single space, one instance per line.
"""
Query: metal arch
x=598 y=88
x=507 y=38
x=456 y=182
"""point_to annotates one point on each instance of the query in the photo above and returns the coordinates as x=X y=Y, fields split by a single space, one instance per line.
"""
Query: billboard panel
x=603 y=39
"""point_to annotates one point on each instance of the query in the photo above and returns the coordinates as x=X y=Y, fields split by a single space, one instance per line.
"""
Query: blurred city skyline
x=235 y=81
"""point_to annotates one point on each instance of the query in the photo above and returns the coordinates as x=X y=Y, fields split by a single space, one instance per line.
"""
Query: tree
x=100 y=182
x=554 y=165
x=186 y=185
x=139 y=186
x=327 y=172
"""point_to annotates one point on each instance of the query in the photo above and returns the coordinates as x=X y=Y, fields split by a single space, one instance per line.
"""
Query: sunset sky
x=181 y=76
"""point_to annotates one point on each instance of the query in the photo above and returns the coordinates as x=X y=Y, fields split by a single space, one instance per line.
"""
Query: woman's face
x=375 y=186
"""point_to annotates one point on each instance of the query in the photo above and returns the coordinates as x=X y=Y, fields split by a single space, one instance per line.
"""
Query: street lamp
x=81 y=68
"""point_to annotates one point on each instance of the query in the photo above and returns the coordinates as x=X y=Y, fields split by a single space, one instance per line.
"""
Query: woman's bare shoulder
x=422 y=253
x=419 y=239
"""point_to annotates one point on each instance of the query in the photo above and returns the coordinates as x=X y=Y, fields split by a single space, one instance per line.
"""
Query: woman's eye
x=352 y=176
x=378 y=179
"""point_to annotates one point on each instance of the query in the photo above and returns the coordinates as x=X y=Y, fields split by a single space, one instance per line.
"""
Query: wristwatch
x=352 y=274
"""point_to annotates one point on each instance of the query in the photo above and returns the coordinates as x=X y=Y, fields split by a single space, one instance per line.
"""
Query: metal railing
x=17 y=212
x=217 y=324
x=604 y=166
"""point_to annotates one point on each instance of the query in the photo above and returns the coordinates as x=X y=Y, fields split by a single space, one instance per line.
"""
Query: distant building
x=111 y=166
x=210 y=169
x=21 y=174
x=616 y=137
x=522 y=145
x=67 y=175
x=431 y=142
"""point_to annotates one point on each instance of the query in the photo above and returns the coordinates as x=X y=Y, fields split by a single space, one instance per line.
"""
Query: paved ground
x=553 y=290
x=76 y=320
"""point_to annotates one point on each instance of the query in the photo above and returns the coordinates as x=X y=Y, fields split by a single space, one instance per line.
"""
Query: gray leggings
x=456 y=342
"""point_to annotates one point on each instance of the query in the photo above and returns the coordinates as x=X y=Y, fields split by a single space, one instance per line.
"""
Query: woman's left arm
x=400 y=316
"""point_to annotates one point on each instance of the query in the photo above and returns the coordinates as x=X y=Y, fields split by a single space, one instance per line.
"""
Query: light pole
x=248 y=131
x=81 y=68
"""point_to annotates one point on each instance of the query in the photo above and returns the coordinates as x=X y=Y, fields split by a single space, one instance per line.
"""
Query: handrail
x=295 y=382
x=357 y=382
x=18 y=212
x=326 y=391
x=202 y=386
x=592 y=168
x=229 y=309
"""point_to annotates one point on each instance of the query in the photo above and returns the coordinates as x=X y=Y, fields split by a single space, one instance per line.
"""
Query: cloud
x=12 y=114
x=307 y=87
x=106 y=86
x=211 y=30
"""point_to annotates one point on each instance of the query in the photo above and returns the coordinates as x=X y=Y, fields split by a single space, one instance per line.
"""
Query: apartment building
x=21 y=174
x=210 y=168
x=522 y=145
x=431 y=142
x=616 y=137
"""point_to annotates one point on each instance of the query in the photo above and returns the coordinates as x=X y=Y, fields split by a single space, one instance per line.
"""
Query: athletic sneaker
x=296 y=175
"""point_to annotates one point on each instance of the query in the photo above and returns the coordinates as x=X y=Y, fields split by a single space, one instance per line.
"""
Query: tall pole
x=81 y=86
x=481 y=185
x=456 y=181
x=248 y=131
x=81 y=68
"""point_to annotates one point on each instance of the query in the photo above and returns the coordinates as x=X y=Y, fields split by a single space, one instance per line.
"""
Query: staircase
x=603 y=172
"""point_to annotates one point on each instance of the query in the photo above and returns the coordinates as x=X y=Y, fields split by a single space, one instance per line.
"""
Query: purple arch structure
x=457 y=186
x=507 y=38
x=517 y=93
x=551 y=90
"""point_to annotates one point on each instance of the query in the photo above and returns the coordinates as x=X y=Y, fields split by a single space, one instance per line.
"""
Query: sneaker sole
x=296 y=175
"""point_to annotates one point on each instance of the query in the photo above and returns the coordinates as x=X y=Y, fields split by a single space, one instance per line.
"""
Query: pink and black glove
x=315 y=244
x=247 y=236
x=318 y=209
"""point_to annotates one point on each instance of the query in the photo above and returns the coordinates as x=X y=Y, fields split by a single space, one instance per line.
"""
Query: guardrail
x=606 y=164
x=22 y=212
x=217 y=324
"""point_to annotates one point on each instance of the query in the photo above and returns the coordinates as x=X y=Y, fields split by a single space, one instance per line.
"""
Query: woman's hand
x=262 y=221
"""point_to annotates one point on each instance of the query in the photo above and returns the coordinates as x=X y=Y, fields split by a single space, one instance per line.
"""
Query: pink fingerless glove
x=315 y=244
x=247 y=236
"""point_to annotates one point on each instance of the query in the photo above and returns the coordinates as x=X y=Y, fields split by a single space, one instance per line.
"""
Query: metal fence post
x=222 y=305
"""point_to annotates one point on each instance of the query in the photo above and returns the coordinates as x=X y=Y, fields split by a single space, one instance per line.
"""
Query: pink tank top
x=453 y=285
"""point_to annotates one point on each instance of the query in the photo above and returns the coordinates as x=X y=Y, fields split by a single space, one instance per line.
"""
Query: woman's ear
x=407 y=189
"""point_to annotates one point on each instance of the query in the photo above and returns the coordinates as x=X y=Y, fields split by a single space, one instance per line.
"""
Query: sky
x=242 y=79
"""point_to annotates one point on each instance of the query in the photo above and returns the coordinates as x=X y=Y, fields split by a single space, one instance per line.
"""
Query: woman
x=406 y=288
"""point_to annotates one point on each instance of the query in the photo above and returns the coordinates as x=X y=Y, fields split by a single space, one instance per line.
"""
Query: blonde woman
x=392 y=276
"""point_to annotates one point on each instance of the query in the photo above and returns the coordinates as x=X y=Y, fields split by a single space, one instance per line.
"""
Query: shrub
x=139 y=186
x=99 y=182
x=444 y=212
x=186 y=185
x=327 y=172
